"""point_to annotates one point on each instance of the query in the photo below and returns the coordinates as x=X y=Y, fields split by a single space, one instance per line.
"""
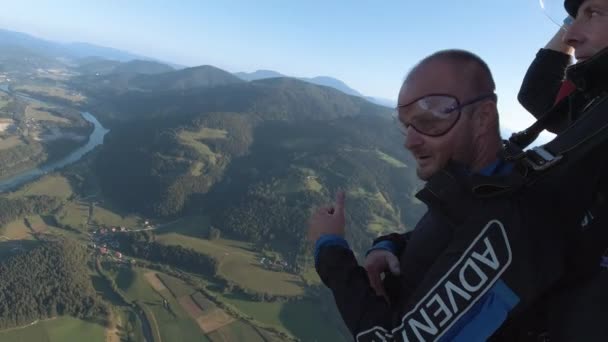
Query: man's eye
x=593 y=12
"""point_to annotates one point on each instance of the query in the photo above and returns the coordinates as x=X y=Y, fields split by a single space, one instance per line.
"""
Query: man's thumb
x=340 y=199
x=393 y=264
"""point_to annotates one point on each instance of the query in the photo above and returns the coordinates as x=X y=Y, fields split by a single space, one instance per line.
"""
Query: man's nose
x=413 y=138
x=573 y=36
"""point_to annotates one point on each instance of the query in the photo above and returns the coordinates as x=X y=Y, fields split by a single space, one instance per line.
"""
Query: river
x=95 y=139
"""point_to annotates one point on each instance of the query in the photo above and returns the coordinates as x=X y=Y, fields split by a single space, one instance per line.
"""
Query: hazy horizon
x=370 y=48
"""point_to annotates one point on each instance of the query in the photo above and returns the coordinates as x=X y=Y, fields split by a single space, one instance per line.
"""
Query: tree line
x=14 y=208
x=50 y=280
x=141 y=245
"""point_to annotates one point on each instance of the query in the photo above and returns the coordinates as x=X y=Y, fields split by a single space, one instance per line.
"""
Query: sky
x=370 y=45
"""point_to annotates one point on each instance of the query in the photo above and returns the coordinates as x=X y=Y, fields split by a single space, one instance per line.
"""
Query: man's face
x=433 y=153
x=588 y=34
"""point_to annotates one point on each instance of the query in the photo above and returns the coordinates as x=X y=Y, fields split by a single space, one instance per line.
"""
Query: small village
x=104 y=242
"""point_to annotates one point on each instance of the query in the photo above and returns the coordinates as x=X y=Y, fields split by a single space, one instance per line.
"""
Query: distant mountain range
x=30 y=45
x=258 y=75
x=189 y=78
x=99 y=66
x=144 y=76
x=71 y=51
x=319 y=80
x=94 y=59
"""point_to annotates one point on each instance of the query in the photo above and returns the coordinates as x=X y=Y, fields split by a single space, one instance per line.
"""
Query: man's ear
x=486 y=116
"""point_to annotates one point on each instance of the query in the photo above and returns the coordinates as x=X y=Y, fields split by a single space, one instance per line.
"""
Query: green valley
x=187 y=222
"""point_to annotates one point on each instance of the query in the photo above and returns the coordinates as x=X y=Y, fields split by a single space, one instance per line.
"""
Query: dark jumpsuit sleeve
x=467 y=293
x=542 y=81
x=394 y=242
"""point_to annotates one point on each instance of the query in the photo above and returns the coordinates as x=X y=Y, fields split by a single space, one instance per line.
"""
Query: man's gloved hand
x=329 y=220
x=378 y=262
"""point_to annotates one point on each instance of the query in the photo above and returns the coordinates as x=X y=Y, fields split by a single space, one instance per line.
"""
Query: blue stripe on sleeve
x=385 y=245
x=329 y=240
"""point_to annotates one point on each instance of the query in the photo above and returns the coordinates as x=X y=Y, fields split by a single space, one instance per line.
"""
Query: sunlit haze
x=368 y=45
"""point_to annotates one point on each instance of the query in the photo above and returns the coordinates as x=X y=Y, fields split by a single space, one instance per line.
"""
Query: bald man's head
x=470 y=71
x=472 y=137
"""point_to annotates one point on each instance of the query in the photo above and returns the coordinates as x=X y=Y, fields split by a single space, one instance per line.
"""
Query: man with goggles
x=447 y=110
x=432 y=116
x=460 y=280
x=438 y=116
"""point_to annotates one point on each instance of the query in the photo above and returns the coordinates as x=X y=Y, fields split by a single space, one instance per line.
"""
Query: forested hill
x=259 y=179
x=49 y=281
x=256 y=157
x=269 y=99
x=123 y=78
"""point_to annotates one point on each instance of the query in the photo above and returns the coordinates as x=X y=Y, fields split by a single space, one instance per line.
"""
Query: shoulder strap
x=583 y=135
x=454 y=191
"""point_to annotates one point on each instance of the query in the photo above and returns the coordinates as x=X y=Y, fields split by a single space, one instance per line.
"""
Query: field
x=239 y=264
x=265 y=312
x=67 y=233
x=310 y=274
x=195 y=226
x=214 y=320
x=193 y=139
x=313 y=184
x=189 y=313
x=301 y=318
x=103 y=216
x=310 y=179
x=380 y=155
x=64 y=329
x=190 y=306
x=154 y=281
x=236 y=331
x=296 y=182
x=53 y=185
x=39 y=113
x=174 y=324
x=9 y=142
x=208 y=318
x=52 y=91
x=5 y=123
x=36 y=224
x=394 y=162
x=16 y=237
x=176 y=286
x=204 y=133
x=74 y=215
x=123 y=320
x=202 y=301
x=197 y=169
x=15 y=230
x=378 y=224
x=4 y=99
